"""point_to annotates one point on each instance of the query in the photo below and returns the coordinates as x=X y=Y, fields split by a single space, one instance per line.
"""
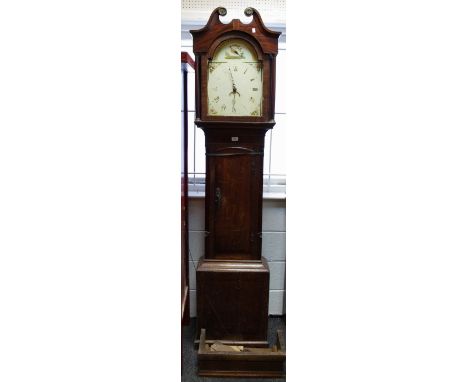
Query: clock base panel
x=232 y=300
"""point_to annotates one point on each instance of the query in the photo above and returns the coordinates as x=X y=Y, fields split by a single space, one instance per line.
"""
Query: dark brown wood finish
x=233 y=278
x=186 y=58
x=234 y=145
x=233 y=217
x=232 y=300
x=185 y=298
x=205 y=42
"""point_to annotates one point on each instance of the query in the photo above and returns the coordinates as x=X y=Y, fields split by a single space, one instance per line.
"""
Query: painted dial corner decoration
x=235 y=80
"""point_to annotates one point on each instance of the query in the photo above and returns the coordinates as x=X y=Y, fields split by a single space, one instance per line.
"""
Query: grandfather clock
x=235 y=104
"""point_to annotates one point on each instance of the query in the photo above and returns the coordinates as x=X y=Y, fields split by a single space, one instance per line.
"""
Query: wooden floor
x=189 y=353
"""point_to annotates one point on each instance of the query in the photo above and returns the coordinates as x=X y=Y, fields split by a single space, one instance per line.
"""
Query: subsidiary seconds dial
x=235 y=81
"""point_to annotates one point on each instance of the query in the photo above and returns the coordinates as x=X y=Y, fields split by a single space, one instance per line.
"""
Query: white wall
x=272 y=11
x=273 y=249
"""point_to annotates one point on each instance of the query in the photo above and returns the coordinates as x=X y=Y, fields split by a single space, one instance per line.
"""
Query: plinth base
x=232 y=301
x=250 y=362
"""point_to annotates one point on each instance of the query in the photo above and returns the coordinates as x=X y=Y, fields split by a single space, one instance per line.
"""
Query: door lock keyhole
x=217 y=197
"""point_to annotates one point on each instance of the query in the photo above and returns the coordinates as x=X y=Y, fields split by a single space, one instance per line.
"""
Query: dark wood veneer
x=233 y=278
x=231 y=304
x=185 y=295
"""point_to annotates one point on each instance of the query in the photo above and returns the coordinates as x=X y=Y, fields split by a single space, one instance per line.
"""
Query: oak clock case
x=234 y=96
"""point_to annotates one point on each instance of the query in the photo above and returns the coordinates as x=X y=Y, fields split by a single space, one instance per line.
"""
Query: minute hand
x=234 y=88
x=232 y=78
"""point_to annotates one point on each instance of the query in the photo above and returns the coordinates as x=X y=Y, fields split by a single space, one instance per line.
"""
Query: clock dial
x=235 y=80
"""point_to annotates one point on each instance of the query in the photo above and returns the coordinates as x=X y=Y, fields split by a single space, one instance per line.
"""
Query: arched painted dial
x=235 y=81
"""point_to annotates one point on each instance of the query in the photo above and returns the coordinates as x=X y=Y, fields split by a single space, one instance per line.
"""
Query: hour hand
x=234 y=91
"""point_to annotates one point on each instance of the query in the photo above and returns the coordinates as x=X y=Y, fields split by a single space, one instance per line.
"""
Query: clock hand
x=234 y=89
x=232 y=78
x=234 y=92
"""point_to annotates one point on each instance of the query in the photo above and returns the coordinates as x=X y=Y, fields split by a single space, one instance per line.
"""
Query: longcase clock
x=235 y=98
